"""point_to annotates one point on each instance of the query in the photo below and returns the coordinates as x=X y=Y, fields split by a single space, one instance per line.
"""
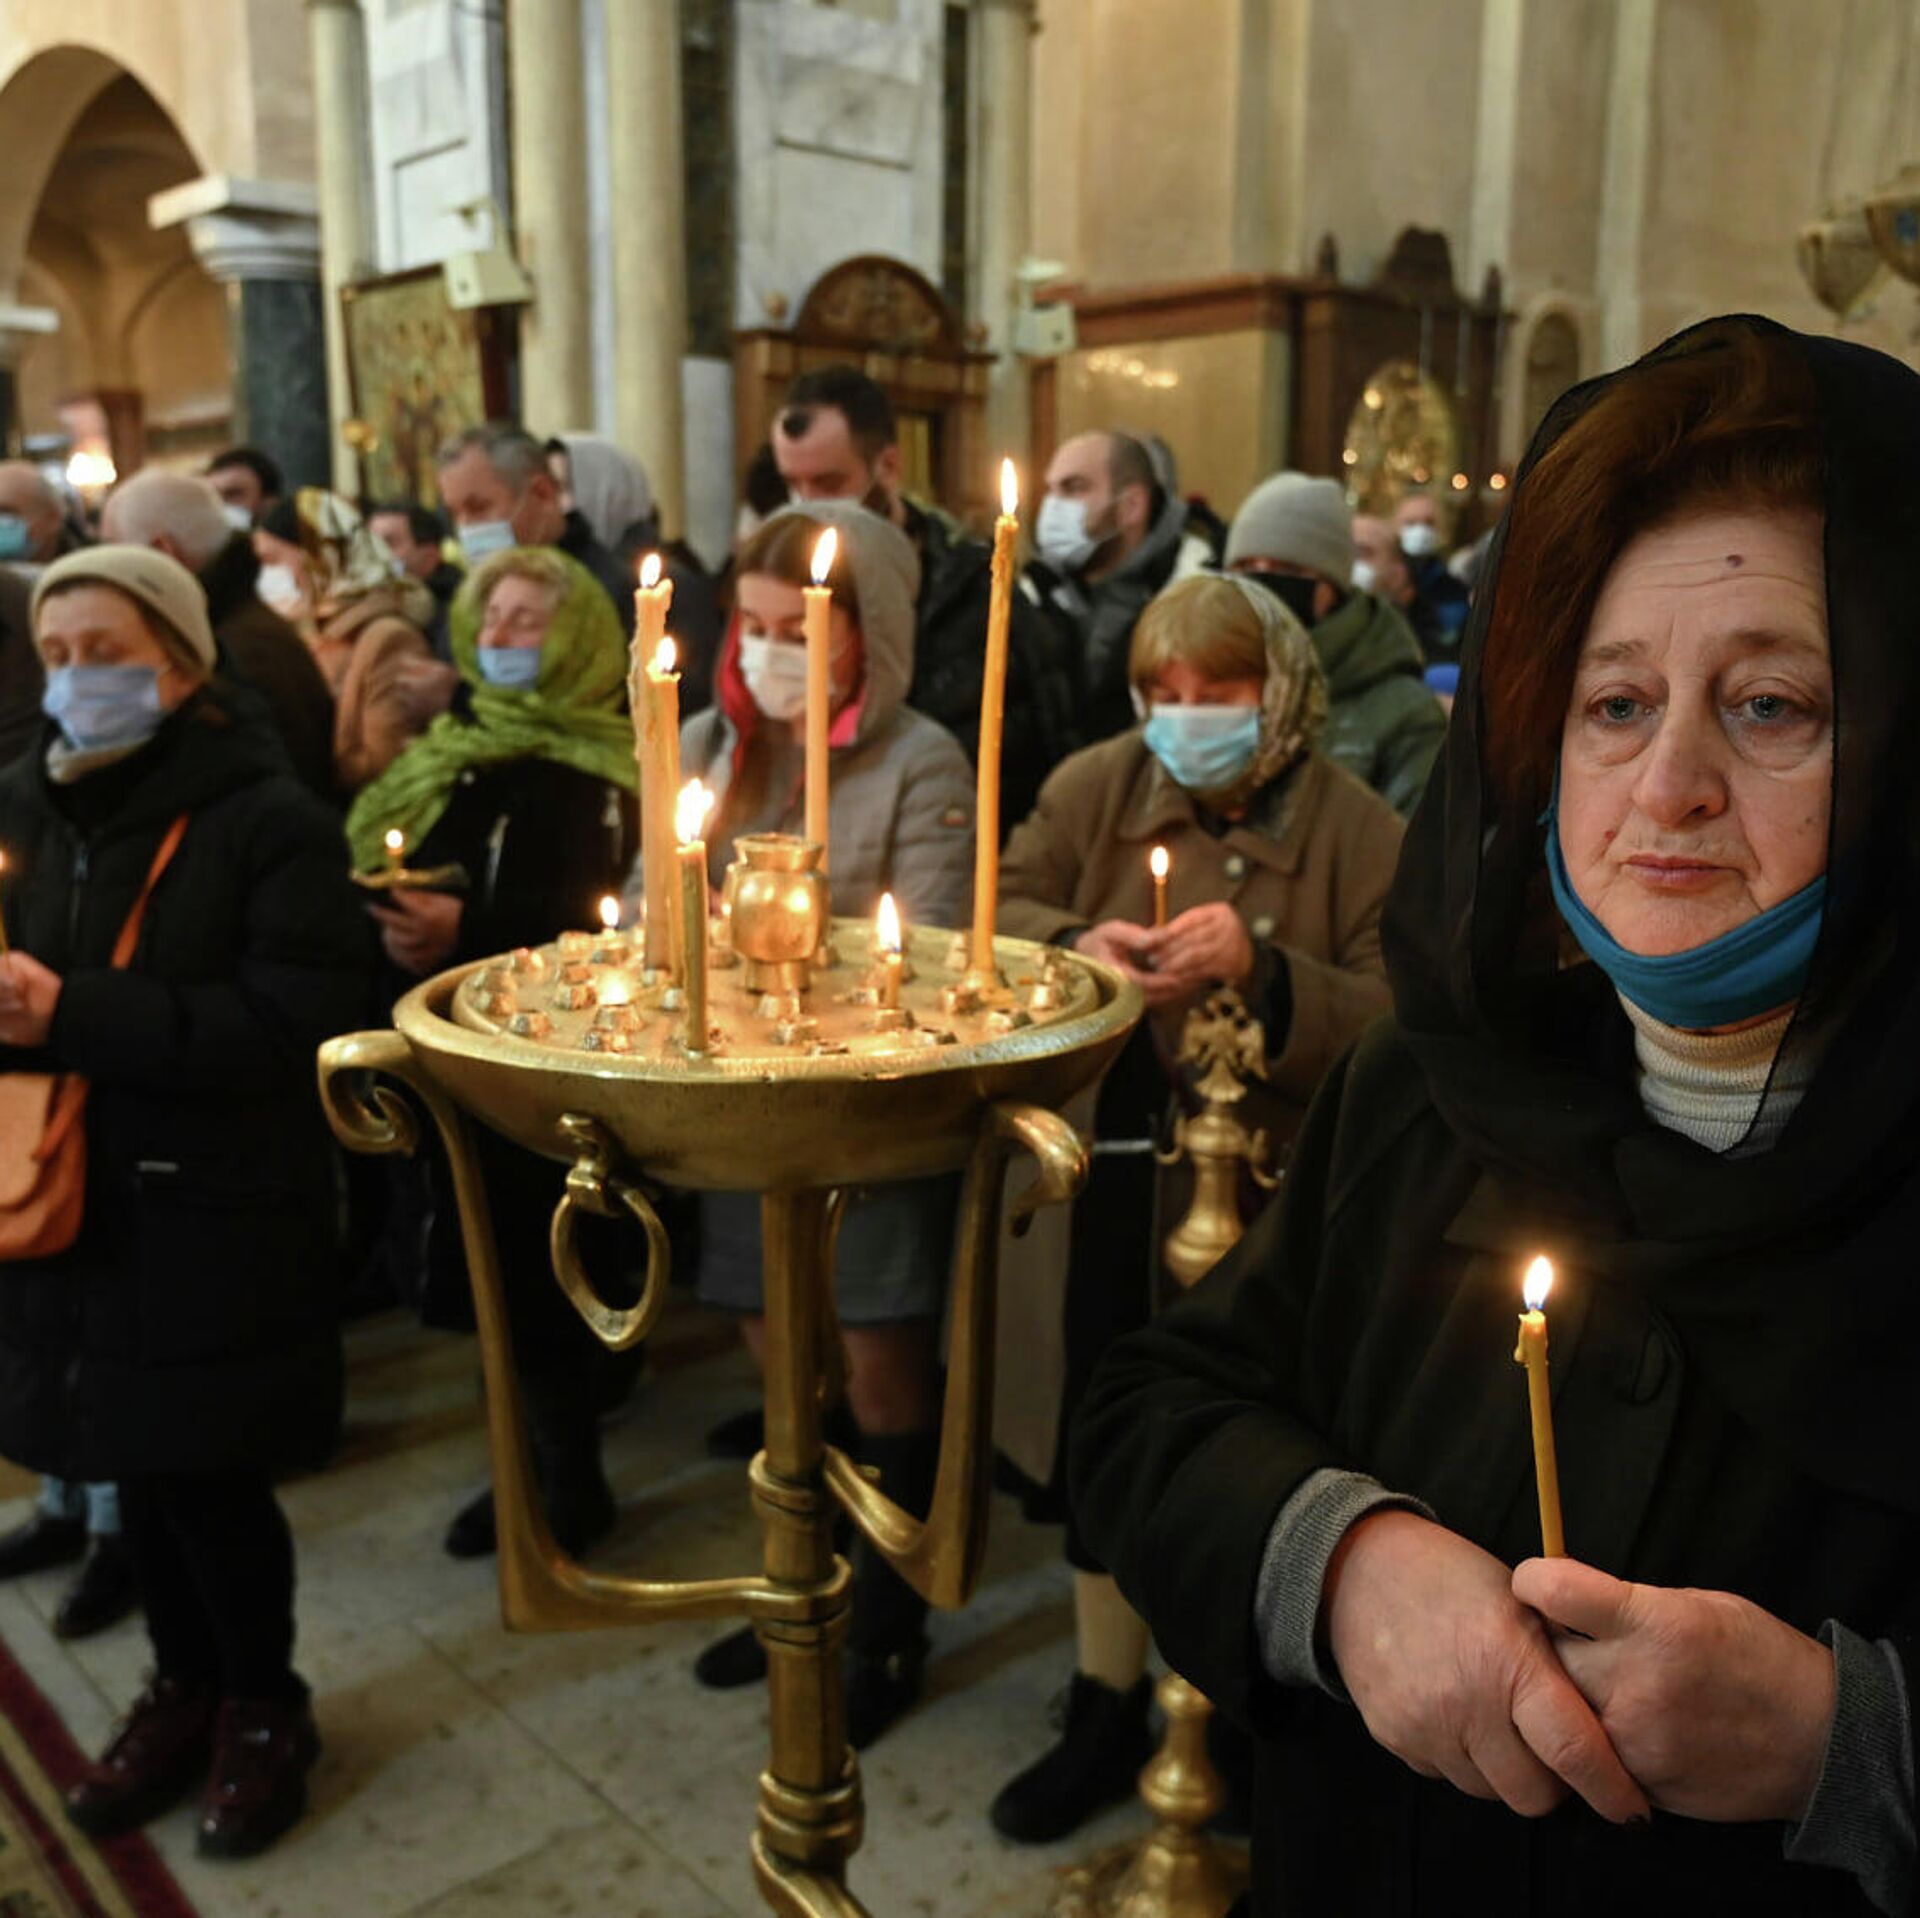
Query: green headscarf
x=572 y=715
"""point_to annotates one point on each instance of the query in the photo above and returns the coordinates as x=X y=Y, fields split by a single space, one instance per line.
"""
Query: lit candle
x=819 y=631
x=690 y=819
x=657 y=707
x=1159 y=863
x=396 y=845
x=1532 y=1353
x=650 y=605
x=993 y=708
x=889 y=960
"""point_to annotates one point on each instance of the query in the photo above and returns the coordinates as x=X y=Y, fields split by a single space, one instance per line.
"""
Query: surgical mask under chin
x=1365 y=576
x=1061 y=535
x=279 y=586
x=1758 y=966
x=98 y=707
x=515 y=668
x=776 y=675
x=1204 y=748
x=1419 y=540
x=15 y=542
x=485 y=537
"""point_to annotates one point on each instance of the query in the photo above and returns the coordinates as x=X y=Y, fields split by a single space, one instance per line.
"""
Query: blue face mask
x=103 y=706
x=516 y=668
x=1204 y=748
x=1752 y=969
x=486 y=537
x=14 y=541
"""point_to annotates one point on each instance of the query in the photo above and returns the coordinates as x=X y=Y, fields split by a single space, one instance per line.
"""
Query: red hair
x=1732 y=423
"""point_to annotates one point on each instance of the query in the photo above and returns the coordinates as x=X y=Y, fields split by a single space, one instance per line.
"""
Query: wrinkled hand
x=29 y=992
x=419 y=929
x=1203 y=945
x=426 y=688
x=1456 y=1677
x=1120 y=944
x=1718 y=1708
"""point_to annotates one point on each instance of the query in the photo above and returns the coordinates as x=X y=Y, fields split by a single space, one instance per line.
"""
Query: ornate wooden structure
x=890 y=321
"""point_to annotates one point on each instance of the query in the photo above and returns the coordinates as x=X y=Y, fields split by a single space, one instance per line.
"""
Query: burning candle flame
x=665 y=658
x=826 y=550
x=886 y=924
x=650 y=572
x=690 y=811
x=1538 y=1283
x=1159 y=862
x=1009 y=489
x=396 y=841
x=610 y=913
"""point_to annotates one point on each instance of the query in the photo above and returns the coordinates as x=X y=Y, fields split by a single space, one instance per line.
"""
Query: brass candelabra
x=805 y=1081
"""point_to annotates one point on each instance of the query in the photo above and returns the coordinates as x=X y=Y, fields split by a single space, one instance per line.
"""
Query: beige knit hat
x=163 y=587
x=1296 y=518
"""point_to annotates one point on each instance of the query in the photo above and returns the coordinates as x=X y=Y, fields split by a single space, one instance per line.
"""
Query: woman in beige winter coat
x=1280 y=864
x=365 y=623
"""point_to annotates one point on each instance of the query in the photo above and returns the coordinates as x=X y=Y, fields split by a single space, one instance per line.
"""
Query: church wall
x=1559 y=148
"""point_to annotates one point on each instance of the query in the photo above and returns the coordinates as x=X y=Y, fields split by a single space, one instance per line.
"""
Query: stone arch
x=1548 y=353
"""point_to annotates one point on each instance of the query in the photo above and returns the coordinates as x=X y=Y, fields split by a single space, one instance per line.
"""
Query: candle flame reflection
x=1538 y=1283
x=886 y=924
x=690 y=811
x=824 y=552
x=1160 y=862
x=650 y=572
x=1009 y=489
x=665 y=659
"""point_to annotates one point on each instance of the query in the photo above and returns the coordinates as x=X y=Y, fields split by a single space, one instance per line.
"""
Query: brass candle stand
x=1178 y=1871
x=803 y=1091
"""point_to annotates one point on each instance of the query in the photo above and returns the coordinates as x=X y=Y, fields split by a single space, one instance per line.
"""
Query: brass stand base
x=1177 y=1871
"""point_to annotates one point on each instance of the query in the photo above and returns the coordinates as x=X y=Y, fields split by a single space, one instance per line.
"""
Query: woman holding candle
x=1655 y=1016
x=1277 y=865
x=528 y=790
x=899 y=820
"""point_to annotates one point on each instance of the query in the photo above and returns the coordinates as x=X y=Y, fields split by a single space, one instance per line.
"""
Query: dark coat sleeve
x=1191 y=1438
x=303 y=973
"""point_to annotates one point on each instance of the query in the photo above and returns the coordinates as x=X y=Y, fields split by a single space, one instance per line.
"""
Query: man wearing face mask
x=1108 y=537
x=20 y=676
x=837 y=439
x=1293 y=537
x=1437 y=605
x=499 y=491
x=33 y=531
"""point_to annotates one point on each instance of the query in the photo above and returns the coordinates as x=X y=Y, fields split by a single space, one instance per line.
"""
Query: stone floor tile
x=606 y=1869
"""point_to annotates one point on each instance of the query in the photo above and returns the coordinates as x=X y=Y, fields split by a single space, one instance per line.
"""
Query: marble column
x=338 y=37
x=1624 y=182
x=550 y=212
x=260 y=239
x=1001 y=161
x=20 y=326
x=648 y=190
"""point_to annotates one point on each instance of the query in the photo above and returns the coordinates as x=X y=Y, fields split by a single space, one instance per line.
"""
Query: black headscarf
x=1793 y=1276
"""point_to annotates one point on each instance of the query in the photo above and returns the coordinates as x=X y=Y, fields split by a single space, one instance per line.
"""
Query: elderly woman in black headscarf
x=1653 y=951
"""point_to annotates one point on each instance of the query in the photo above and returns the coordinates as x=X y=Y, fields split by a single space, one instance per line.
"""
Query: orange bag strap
x=69 y=1101
x=123 y=947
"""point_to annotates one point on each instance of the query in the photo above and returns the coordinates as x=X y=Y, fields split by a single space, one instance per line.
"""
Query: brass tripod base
x=1177 y=1871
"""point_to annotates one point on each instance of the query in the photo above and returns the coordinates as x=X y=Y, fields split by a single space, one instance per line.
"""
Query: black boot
x=580 y=1503
x=730 y=1662
x=1104 y=1743
x=103 y=1591
x=42 y=1542
x=886 y=1636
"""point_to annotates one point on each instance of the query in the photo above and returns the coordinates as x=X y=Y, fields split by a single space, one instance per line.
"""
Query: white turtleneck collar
x=1722 y=1090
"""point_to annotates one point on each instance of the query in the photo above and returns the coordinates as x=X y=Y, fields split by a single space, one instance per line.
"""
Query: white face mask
x=279 y=586
x=1365 y=576
x=1419 y=539
x=237 y=517
x=776 y=675
x=1061 y=533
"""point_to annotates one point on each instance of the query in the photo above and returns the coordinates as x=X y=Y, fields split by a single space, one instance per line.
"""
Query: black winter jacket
x=192 y=1327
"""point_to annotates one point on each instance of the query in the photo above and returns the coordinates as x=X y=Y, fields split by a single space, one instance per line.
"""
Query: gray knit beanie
x=1298 y=519
x=161 y=586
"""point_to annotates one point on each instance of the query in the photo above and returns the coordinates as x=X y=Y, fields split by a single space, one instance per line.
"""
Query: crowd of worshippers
x=1302 y=1480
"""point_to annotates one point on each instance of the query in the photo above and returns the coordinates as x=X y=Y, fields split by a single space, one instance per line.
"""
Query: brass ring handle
x=592 y=1186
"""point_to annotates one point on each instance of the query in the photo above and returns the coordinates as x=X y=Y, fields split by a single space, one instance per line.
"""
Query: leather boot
x=104 y=1592
x=157 y=1754
x=263 y=1749
x=1104 y=1742
x=41 y=1543
x=886 y=1636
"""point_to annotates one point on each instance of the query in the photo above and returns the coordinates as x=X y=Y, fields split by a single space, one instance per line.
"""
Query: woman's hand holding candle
x=1719 y=1709
x=29 y=997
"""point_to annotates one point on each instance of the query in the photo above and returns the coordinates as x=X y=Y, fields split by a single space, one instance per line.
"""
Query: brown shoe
x=158 y=1754
x=263 y=1749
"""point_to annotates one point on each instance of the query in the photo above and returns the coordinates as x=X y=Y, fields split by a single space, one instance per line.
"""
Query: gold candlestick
x=1532 y=1353
x=993 y=710
x=1159 y=863
x=656 y=704
x=690 y=818
x=819 y=634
